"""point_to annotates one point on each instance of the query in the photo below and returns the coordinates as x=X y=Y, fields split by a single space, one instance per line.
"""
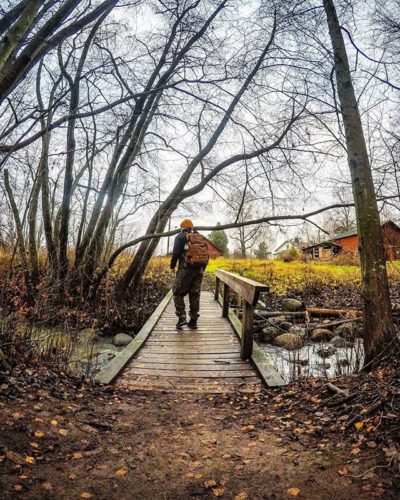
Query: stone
x=291 y=305
x=321 y=334
x=343 y=362
x=346 y=331
x=298 y=330
x=339 y=342
x=121 y=339
x=289 y=341
x=285 y=326
x=278 y=319
x=326 y=352
x=268 y=334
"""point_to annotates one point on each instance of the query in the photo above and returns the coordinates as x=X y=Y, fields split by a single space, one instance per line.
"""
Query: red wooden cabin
x=348 y=242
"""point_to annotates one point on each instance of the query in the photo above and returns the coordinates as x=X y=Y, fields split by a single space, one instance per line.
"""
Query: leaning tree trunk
x=378 y=323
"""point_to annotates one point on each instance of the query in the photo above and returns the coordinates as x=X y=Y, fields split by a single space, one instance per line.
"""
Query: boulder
x=321 y=334
x=289 y=341
x=291 y=305
x=285 y=325
x=346 y=331
x=268 y=334
x=339 y=342
x=298 y=330
x=323 y=366
x=326 y=352
x=121 y=339
x=278 y=319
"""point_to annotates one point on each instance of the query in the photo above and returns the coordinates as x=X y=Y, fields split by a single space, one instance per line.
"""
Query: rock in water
x=278 y=319
x=122 y=339
x=285 y=326
x=268 y=334
x=291 y=305
x=339 y=342
x=289 y=341
x=346 y=331
x=298 y=330
x=326 y=352
x=320 y=334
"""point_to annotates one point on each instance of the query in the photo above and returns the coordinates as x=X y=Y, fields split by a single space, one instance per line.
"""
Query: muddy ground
x=62 y=440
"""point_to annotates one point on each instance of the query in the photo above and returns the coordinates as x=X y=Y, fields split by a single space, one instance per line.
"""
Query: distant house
x=348 y=242
x=284 y=247
x=213 y=251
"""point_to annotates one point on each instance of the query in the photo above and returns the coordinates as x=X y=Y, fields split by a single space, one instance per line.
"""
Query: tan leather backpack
x=196 y=250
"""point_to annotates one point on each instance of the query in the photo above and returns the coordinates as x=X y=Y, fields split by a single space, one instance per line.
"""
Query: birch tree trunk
x=378 y=324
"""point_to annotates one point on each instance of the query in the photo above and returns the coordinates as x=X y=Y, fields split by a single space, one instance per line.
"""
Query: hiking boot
x=192 y=324
x=181 y=323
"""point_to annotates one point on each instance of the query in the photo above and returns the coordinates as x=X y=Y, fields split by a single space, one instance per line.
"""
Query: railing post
x=247 y=330
x=225 y=304
x=216 y=293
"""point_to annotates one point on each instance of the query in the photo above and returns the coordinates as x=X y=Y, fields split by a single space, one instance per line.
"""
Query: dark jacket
x=178 y=252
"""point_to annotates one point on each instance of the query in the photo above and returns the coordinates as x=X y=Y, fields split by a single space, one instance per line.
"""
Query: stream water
x=83 y=352
x=306 y=362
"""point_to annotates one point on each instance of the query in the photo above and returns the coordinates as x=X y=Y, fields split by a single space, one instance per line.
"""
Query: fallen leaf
x=72 y=475
x=343 y=471
x=359 y=425
x=39 y=434
x=189 y=474
x=293 y=492
x=15 y=457
x=121 y=472
x=85 y=494
x=35 y=445
x=30 y=460
x=218 y=492
x=16 y=415
x=210 y=483
x=371 y=444
x=355 y=451
x=77 y=455
x=247 y=428
x=17 y=487
x=64 y=432
x=54 y=422
x=47 y=486
x=241 y=496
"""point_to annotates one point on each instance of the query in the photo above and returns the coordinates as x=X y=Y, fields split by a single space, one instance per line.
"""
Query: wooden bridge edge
x=111 y=371
x=268 y=374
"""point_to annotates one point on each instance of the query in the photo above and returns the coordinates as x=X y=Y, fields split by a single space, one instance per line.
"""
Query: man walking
x=191 y=253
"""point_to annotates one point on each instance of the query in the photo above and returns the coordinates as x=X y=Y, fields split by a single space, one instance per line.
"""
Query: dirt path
x=91 y=444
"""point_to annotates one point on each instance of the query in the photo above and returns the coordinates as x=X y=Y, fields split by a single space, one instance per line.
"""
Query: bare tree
x=378 y=324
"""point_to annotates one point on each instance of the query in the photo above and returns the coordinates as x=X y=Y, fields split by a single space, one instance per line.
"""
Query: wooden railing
x=247 y=289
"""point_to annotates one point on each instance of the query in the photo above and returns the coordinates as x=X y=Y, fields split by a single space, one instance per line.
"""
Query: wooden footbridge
x=220 y=356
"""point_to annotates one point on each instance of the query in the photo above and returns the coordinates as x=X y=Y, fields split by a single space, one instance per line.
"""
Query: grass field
x=282 y=276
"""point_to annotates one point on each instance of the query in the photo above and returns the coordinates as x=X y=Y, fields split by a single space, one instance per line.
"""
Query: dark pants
x=187 y=281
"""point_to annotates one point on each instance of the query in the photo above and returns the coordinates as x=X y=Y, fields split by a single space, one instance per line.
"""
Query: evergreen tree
x=220 y=239
x=261 y=252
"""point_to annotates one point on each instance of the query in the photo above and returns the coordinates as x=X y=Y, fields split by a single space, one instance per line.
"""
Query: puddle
x=289 y=363
x=85 y=352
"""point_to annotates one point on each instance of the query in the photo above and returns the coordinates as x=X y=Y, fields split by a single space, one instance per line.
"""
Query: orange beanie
x=186 y=223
